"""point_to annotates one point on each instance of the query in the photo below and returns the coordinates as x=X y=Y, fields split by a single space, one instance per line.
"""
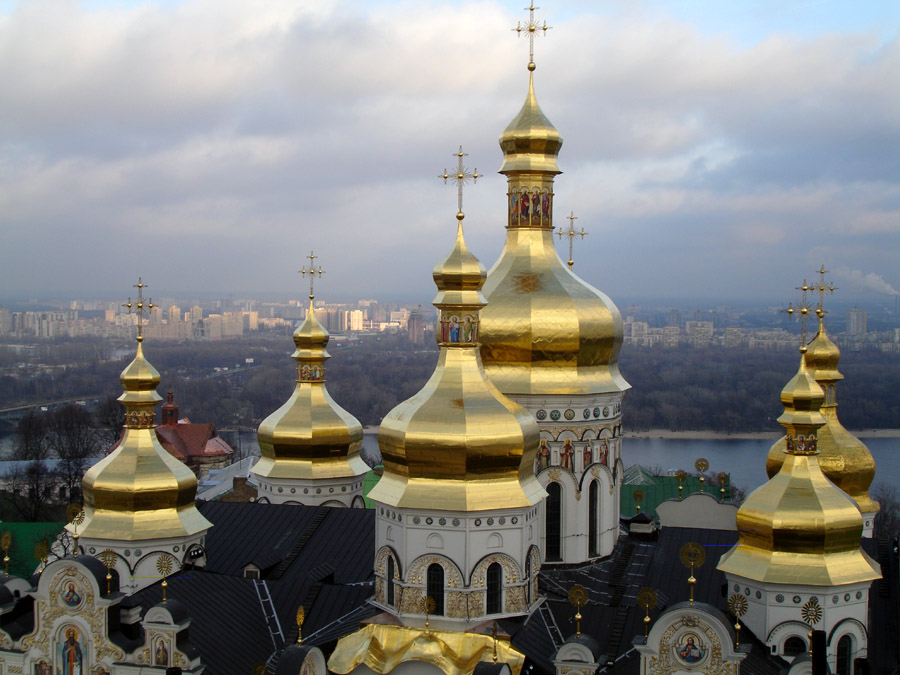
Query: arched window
x=553 y=526
x=390 y=581
x=434 y=587
x=494 y=588
x=794 y=646
x=593 y=515
x=844 y=655
x=528 y=586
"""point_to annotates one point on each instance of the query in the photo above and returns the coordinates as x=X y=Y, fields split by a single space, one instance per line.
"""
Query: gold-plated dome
x=139 y=491
x=544 y=330
x=310 y=436
x=799 y=528
x=844 y=459
x=458 y=444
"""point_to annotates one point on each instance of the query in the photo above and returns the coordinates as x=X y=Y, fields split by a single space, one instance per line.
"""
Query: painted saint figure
x=604 y=452
x=468 y=330
x=513 y=208
x=536 y=206
x=567 y=455
x=71 y=597
x=587 y=456
x=454 y=329
x=70 y=654
x=523 y=208
x=690 y=652
x=162 y=654
x=543 y=456
x=545 y=208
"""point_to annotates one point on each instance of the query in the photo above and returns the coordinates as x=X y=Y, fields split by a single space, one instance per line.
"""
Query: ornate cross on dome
x=531 y=29
x=802 y=309
x=461 y=177
x=140 y=307
x=571 y=234
x=822 y=288
x=312 y=272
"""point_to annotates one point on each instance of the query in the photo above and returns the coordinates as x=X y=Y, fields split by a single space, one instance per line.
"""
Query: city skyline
x=709 y=152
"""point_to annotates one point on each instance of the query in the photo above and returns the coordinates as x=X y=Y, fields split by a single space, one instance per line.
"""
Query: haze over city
x=711 y=149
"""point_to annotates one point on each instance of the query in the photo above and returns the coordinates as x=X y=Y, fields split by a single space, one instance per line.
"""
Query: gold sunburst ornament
x=164 y=567
x=812 y=614
x=108 y=558
x=75 y=515
x=737 y=605
x=692 y=555
x=578 y=596
x=41 y=552
x=638 y=496
x=5 y=543
x=647 y=599
x=681 y=474
x=722 y=477
x=701 y=465
x=427 y=608
x=301 y=616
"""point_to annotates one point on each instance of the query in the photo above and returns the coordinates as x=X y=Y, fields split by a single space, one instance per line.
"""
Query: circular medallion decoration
x=127 y=552
x=490 y=521
x=92 y=550
x=330 y=490
x=442 y=521
x=606 y=411
x=416 y=520
x=503 y=521
x=541 y=414
x=758 y=595
x=478 y=522
x=280 y=489
x=747 y=592
x=859 y=595
x=690 y=648
x=343 y=488
x=306 y=492
x=846 y=597
x=736 y=587
x=596 y=412
x=456 y=522
x=779 y=598
x=586 y=413
x=554 y=415
x=429 y=521
x=293 y=490
x=399 y=518
x=139 y=553
x=835 y=599
x=570 y=414
x=796 y=599
x=514 y=520
x=71 y=594
x=318 y=491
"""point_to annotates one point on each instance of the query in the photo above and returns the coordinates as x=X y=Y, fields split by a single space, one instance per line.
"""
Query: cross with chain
x=461 y=177
x=822 y=288
x=531 y=29
x=312 y=272
x=802 y=309
x=571 y=234
x=140 y=307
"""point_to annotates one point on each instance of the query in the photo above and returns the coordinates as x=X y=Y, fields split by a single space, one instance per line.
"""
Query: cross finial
x=802 y=309
x=822 y=288
x=531 y=29
x=571 y=234
x=140 y=307
x=461 y=177
x=312 y=272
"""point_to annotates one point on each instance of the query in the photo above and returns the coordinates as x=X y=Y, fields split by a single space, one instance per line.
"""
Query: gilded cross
x=531 y=29
x=461 y=177
x=802 y=309
x=140 y=307
x=571 y=234
x=312 y=272
x=822 y=288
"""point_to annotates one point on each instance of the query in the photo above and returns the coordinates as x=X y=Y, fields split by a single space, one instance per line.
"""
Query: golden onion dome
x=799 y=528
x=310 y=436
x=844 y=459
x=544 y=330
x=458 y=444
x=139 y=491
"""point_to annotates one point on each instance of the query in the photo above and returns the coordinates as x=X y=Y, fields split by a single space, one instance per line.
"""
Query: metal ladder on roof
x=268 y=610
x=550 y=622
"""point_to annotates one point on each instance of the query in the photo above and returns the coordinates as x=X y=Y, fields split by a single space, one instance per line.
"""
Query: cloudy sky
x=711 y=149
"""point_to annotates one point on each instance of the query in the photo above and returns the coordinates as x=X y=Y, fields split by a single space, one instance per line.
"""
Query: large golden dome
x=544 y=330
x=139 y=491
x=844 y=459
x=310 y=436
x=458 y=444
x=799 y=528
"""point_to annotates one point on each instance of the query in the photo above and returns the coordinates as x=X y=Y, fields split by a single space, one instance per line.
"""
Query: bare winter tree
x=29 y=479
x=73 y=440
x=887 y=520
x=110 y=417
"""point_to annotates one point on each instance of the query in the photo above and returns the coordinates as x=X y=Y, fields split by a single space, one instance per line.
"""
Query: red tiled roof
x=186 y=439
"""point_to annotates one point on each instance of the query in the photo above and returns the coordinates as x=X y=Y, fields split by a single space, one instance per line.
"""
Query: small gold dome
x=844 y=459
x=139 y=491
x=798 y=528
x=310 y=436
x=458 y=444
x=530 y=142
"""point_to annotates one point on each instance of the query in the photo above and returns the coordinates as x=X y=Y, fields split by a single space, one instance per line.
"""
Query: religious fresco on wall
x=530 y=207
x=542 y=461
x=70 y=595
x=42 y=668
x=603 y=451
x=567 y=455
x=70 y=653
x=161 y=654
x=690 y=648
x=459 y=330
x=312 y=373
x=802 y=444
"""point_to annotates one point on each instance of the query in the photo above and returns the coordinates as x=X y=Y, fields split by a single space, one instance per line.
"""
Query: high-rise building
x=856 y=321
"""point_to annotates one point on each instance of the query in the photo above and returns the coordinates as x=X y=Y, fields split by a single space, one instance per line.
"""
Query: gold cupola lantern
x=544 y=330
x=310 y=437
x=799 y=528
x=139 y=491
x=458 y=444
x=844 y=459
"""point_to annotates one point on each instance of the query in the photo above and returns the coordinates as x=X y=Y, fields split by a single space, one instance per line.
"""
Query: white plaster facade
x=465 y=545
x=344 y=491
x=774 y=614
x=698 y=510
x=584 y=437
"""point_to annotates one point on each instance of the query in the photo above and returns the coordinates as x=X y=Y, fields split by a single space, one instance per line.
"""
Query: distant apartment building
x=700 y=333
x=415 y=325
x=856 y=321
x=5 y=321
